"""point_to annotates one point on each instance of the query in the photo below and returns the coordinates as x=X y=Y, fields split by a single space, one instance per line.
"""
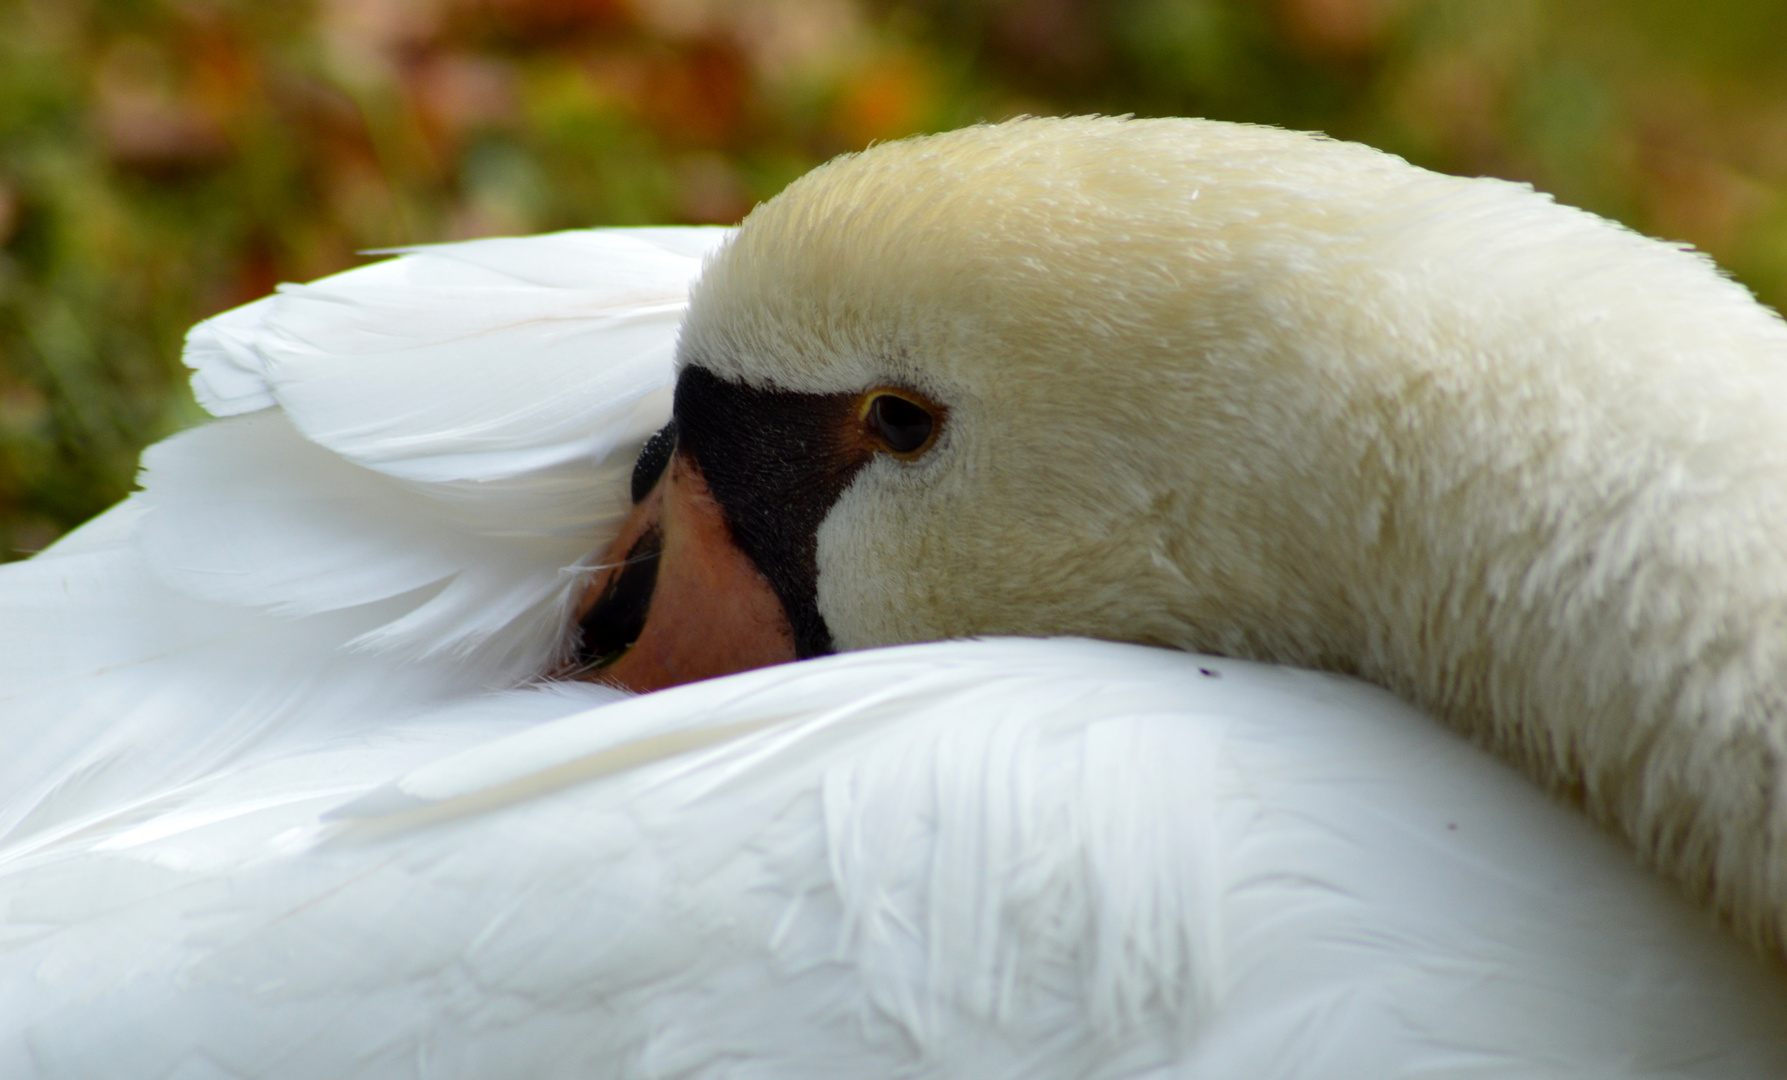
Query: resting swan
x=270 y=810
x=1248 y=392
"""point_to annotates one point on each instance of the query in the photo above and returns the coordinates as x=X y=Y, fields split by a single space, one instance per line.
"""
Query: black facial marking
x=775 y=461
x=653 y=456
x=617 y=618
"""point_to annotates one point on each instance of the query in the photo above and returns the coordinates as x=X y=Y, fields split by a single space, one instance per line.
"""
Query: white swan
x=267 y=815
x=1245 y=391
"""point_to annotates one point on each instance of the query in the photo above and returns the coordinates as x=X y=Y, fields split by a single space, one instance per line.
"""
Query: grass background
x=163 y=160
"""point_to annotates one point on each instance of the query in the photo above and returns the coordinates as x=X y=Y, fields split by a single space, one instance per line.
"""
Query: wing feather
x=413 y=463
x=455 y=425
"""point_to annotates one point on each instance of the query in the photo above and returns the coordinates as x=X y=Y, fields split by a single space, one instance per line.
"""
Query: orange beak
x=676 y=601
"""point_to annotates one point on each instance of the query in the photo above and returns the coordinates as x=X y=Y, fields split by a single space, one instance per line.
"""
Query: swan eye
x=900 y=424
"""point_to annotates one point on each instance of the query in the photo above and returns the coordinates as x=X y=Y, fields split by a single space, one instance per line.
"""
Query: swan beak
x=675 y=600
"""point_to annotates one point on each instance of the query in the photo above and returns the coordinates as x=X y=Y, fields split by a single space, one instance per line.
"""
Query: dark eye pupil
x=653 y=456
x=903 y=426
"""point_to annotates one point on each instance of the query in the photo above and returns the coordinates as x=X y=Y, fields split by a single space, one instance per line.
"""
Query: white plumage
x=1054 y=858
x=280 y=800
x=304 y=566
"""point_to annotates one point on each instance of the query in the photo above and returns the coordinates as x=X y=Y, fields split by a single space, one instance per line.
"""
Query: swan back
x=1000 y=858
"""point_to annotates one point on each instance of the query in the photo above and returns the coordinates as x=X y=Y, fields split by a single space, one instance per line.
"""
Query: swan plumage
x=994 y=858
x=283 y=797
x=351 y=508
x=1521 y=465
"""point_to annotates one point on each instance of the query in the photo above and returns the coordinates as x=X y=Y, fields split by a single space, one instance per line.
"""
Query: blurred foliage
x=162 y=160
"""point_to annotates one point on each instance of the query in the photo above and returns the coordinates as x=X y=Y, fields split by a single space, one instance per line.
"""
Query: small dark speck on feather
x=1211 y=674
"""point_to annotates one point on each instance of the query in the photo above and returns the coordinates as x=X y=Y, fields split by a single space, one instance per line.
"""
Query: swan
x=1249 y=392
x=286 y=796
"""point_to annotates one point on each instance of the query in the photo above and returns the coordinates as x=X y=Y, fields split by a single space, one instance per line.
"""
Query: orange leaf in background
x=890 y=99
x=1338 y=28
x=1049 y=38
x=545 y=22
x=223 y=70
x=697 y=95
x=145 y=122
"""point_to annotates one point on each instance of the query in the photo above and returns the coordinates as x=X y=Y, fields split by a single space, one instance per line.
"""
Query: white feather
x=456 y=426
x=266 y=587
x=479 y=360
x=246 y=511
x=982 y=859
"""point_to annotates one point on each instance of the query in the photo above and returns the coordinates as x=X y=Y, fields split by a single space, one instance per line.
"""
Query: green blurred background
x=162 y=160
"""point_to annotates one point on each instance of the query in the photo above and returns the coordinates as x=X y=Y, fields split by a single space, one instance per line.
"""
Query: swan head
x=1102 y=342
x=1240 y=390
